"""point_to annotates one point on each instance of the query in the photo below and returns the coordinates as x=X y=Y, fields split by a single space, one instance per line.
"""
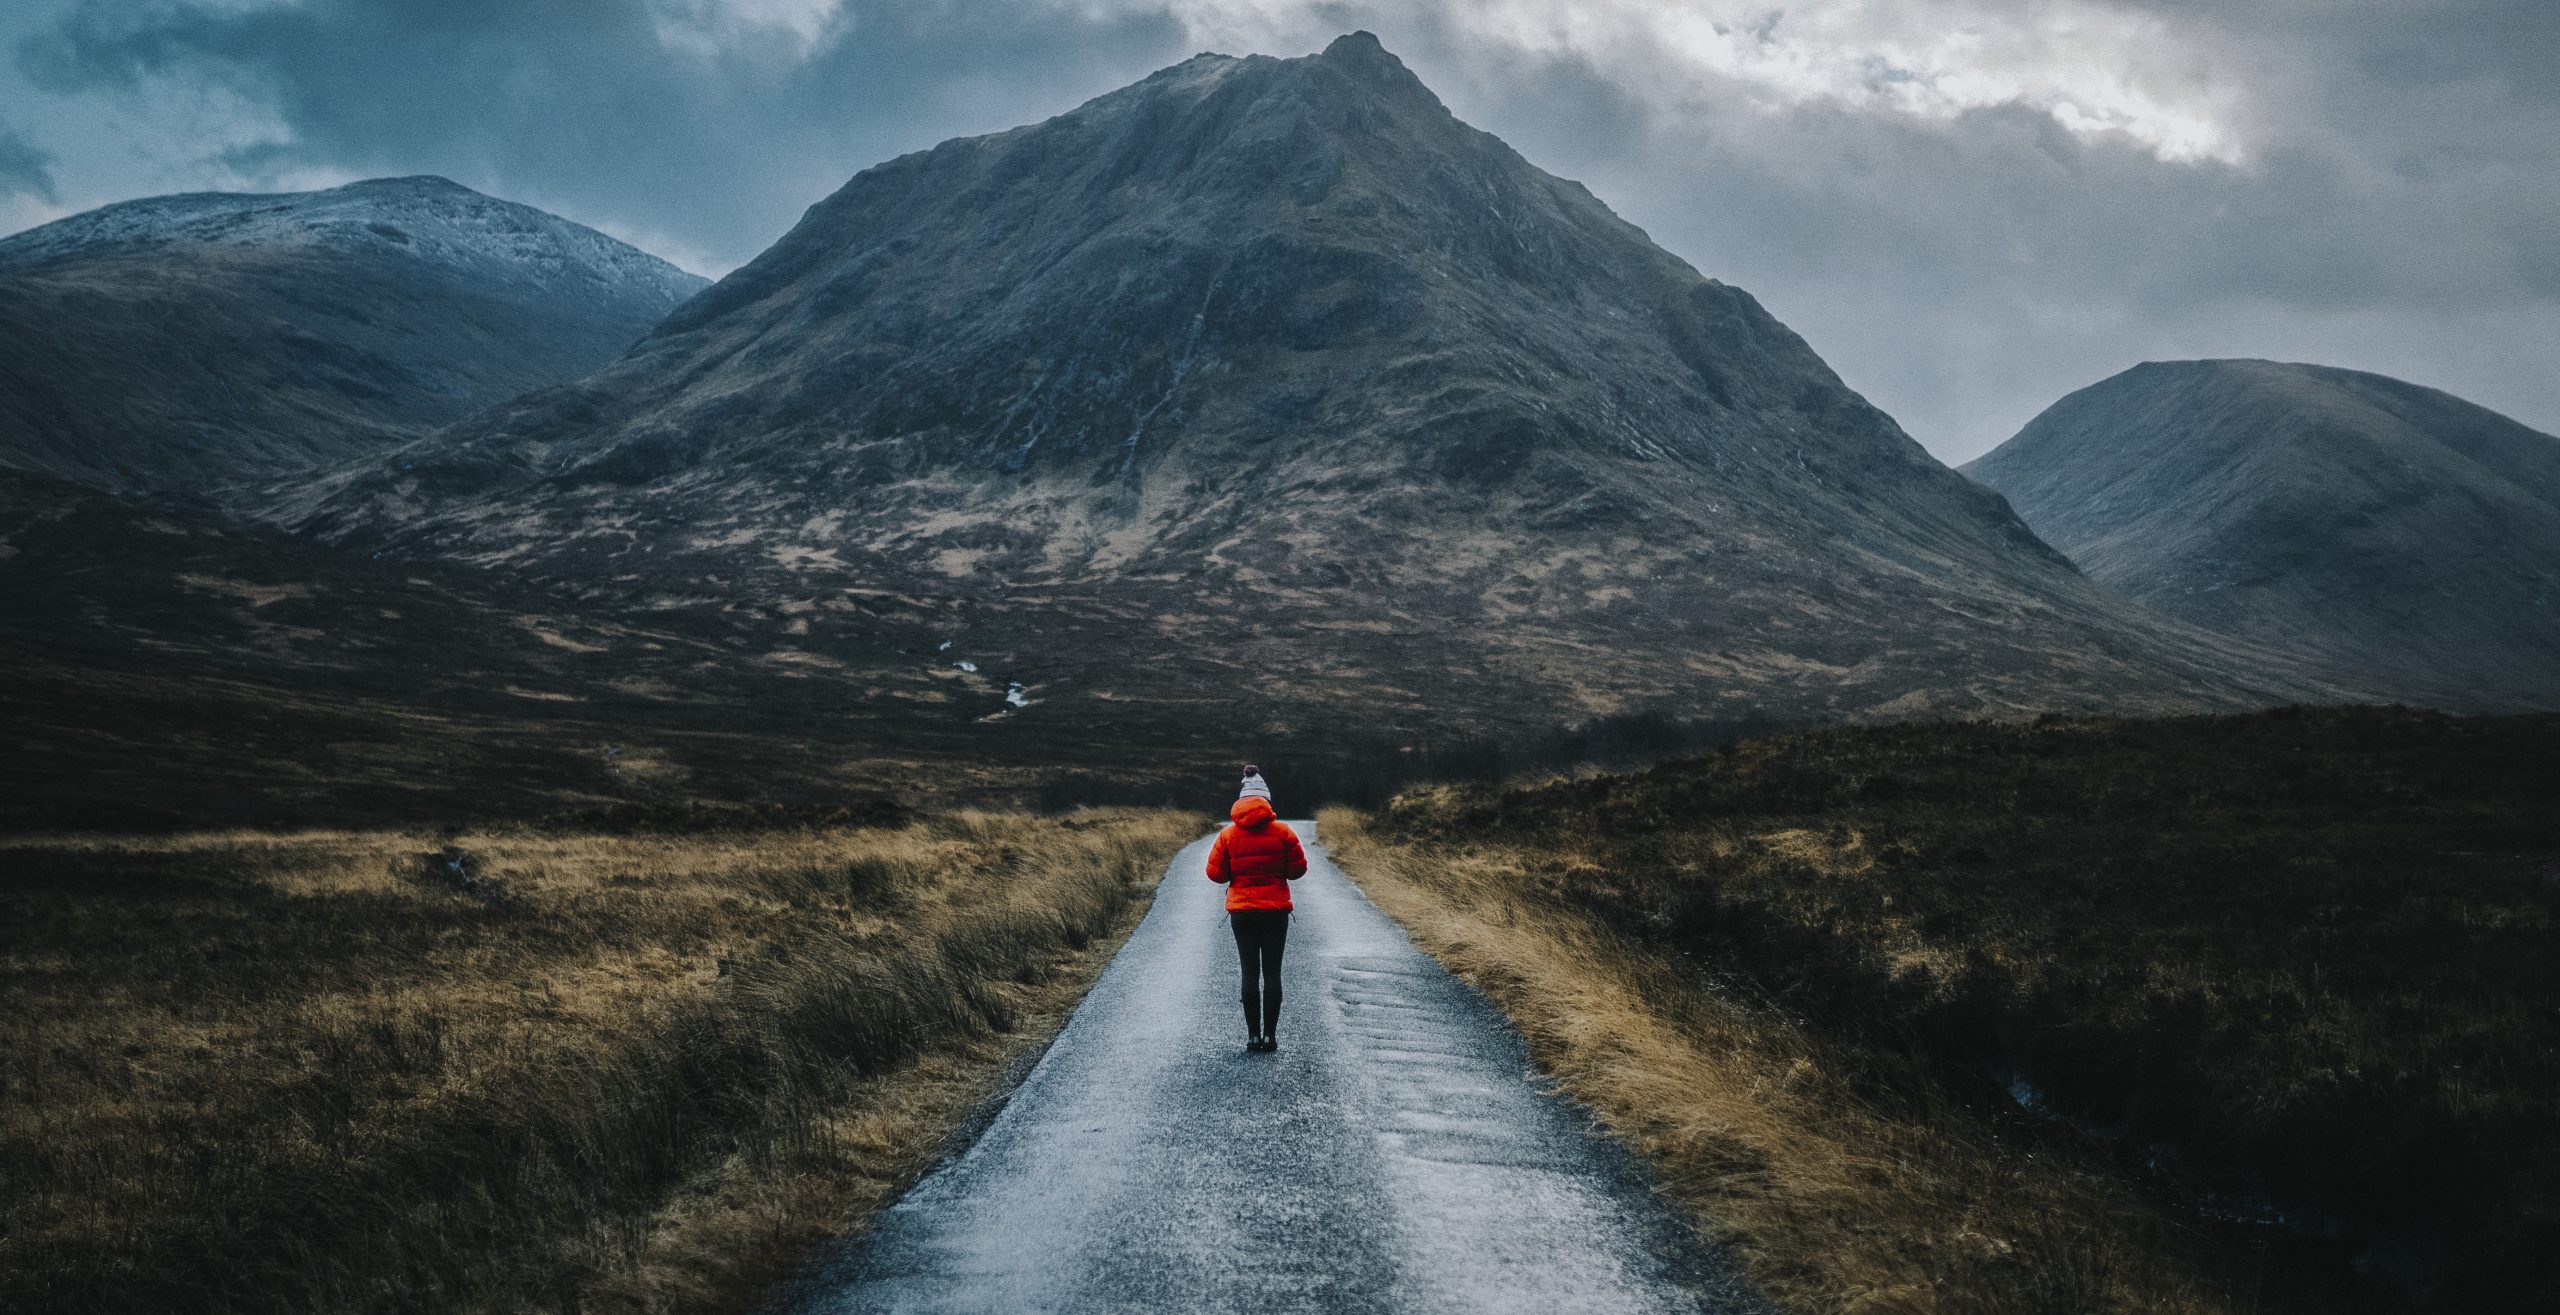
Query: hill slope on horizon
x=181 y=342
x=2398 y=537
x=1266 y=389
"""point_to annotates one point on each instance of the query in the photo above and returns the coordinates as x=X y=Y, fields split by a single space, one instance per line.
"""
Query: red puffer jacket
x=1256 y=858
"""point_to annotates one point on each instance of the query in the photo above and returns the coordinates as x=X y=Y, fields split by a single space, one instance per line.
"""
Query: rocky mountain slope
x=1263 y=391
x=2401 y=538
x=165 y=666
x=181 y=342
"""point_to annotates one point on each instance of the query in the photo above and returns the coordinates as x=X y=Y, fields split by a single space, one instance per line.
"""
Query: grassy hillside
x=512 y=1070
x=165 y=669
x=2212 y=1013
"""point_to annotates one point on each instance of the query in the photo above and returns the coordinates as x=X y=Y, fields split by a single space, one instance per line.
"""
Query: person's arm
x=1297 y=857
x=1219 y=867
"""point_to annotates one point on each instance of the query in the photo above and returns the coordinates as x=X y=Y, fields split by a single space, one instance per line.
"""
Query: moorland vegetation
x=621 y=1063
x=2219 y=1013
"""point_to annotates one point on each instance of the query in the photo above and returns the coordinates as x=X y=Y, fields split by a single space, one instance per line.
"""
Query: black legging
x=1261 y=936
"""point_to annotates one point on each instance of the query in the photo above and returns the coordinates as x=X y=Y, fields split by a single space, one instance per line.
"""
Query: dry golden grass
x=512 y=1071
x=1834 y=1196
x=2286 y=973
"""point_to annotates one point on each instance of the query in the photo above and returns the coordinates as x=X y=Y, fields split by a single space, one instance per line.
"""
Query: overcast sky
x=1969 y=207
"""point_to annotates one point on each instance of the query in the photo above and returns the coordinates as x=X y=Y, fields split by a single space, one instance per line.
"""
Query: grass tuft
x=512 y=1070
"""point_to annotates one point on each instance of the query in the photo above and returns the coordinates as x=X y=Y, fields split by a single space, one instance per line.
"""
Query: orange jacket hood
x=1256 y=859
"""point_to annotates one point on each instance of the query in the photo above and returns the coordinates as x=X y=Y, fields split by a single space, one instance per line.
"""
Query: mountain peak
x=1051 y=298
x=423 y=219
x=410 y=183
x=258 y=332
x=2404 y=537
x=1360 y=57
x=1361 y=52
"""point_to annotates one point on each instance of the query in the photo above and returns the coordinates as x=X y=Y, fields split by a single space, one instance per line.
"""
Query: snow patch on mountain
x=426 y=219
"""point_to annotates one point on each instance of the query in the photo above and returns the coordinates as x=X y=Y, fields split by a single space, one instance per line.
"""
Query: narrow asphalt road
x=1398 y=1154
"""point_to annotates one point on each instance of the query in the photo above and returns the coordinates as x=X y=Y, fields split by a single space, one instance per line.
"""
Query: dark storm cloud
x=2411 y=42
x=1969 y=206
x=2391 y=208
x=23 y=168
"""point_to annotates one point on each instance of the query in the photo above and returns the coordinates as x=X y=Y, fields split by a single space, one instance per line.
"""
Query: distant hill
x=181 y=342
x=2404 y=539
x=1266 y=392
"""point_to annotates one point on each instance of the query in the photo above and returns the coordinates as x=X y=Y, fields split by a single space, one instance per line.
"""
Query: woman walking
x=1256 y=858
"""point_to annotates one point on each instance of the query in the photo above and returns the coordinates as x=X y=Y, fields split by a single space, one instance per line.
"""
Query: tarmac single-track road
x=1399 y=1153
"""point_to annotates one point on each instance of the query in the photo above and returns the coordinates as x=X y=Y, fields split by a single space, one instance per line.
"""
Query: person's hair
x=1251 y=770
